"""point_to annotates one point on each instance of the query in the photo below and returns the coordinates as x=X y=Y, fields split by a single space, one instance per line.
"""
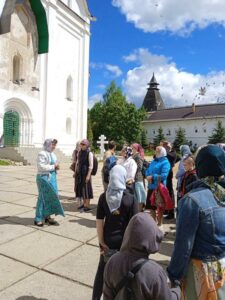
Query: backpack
x=126 y=282
x=109 y=164
x=145 y=167
x=95 y=166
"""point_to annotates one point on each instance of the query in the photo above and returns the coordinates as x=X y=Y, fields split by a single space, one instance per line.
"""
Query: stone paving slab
x=30 y=202
x=12 y=271
x=9 y=196
x=9 y=231
x=77 y=229
x=9 y=209
x=79 y=265
x=44 y=286
x=38 y=248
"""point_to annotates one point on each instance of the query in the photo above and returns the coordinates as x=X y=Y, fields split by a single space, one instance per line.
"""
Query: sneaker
x=86 y=209
x=81 y=206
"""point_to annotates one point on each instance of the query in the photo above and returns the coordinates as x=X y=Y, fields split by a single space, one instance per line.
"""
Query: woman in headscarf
x=115 y=209
x=140 y=193
x=130 y=165
x=142 y=238
x=157 y=173
x=198 y=258
x=185 y=153
x=48 y=200
x=73 y=168
x=84 y=166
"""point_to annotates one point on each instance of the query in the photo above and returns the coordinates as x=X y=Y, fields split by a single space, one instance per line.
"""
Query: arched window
x=68 y=126
x=69 y=89
x=17 y=66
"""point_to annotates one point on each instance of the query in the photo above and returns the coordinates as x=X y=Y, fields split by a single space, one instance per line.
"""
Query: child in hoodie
x=189 y=176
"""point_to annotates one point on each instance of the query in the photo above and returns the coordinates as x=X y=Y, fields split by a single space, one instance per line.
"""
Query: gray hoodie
x=142 y=238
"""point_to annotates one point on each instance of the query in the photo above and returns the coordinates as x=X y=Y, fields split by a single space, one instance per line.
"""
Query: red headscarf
x=139 y=149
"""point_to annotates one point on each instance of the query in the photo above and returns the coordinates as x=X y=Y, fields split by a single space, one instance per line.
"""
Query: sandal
x=50 y=221
x=39 y=224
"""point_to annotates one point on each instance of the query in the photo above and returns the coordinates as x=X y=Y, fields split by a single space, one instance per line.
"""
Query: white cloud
x=115 y=70
x=177 y=87
x=94 y=99
x=177 y=16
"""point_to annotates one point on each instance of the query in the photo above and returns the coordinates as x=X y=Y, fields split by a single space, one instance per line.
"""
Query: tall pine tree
x=159 y=137
x=218 y=135
x=180 y=139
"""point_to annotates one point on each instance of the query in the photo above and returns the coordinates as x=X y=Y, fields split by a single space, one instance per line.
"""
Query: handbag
x=161 y=197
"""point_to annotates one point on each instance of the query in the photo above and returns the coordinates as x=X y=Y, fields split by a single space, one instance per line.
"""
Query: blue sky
x=183 y=44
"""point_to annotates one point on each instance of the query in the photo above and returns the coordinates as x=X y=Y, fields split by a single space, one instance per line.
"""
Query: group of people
x=128 y=233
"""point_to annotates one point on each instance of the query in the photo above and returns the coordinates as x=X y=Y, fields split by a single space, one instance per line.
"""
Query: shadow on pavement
x=15 y=220
x=85 y=222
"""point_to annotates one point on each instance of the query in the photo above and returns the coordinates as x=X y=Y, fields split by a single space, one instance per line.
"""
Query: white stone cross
x=102 y=143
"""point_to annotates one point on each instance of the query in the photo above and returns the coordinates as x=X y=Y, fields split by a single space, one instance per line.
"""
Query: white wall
x=204 y=129
x=68 y=56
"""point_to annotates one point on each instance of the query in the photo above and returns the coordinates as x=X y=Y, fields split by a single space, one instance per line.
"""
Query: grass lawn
x=4 y=163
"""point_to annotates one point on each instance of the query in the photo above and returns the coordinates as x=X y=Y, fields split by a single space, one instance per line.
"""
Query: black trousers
x=98 y=283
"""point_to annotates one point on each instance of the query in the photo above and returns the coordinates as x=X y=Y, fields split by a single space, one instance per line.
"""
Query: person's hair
x=54 y=142
x=112 y=145
x=190 y=159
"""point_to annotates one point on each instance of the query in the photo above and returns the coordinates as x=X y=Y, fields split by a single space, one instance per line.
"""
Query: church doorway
x=11 y=125
x=17 y=124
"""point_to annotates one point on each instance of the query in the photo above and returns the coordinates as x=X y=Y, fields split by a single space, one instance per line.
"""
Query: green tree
x=180 y=139
x=218 y=134
x=144 y=141
x=159 y=137
x=89 y=129
x=116 y=118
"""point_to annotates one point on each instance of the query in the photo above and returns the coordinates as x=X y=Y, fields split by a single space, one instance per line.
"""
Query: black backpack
x=95 y=166
x=126 y=282
x=145 y=167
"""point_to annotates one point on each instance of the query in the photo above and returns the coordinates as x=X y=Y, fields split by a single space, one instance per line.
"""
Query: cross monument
x=102 y=142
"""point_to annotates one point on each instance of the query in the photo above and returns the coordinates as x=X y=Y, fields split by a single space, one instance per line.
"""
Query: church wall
x=16 y=88
x=68 y=58
x=197 y=130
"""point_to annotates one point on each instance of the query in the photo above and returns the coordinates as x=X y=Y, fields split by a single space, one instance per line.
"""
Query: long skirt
x=48 y=200
x=140 y=193
x=82 y=189
x=204 y=280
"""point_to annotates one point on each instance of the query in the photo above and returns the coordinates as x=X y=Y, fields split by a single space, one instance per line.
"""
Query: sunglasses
x=83 y=144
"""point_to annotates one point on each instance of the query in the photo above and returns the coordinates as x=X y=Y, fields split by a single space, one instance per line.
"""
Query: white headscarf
x=116 y=187
x=162 y=153
x=47 y=145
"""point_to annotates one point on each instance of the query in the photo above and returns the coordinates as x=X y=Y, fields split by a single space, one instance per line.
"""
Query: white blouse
x=44 y=160
x=131 y=167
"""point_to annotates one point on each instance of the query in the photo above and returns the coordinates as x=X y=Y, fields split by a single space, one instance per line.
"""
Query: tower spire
x=153 y=100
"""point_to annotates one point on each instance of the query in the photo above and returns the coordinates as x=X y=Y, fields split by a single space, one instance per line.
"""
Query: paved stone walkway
x=49 y=263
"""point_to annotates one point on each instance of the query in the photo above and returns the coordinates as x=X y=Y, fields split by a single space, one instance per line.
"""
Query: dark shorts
x=148 y=202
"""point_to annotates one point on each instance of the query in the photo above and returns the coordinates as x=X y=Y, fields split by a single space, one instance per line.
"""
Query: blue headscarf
x=116 y=187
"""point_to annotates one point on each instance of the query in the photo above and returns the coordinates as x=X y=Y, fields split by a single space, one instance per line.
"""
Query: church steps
x=28 y=155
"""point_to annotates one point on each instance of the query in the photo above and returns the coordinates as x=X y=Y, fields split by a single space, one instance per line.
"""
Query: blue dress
x=48 y=199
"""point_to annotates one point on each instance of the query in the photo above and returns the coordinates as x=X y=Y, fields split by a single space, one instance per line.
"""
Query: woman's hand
x=149 y=178
x=57 y=166
x=88 y=178
x=103 y=248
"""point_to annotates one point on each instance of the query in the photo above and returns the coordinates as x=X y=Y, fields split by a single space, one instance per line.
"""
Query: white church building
x=197 y=120
x=44 y=59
